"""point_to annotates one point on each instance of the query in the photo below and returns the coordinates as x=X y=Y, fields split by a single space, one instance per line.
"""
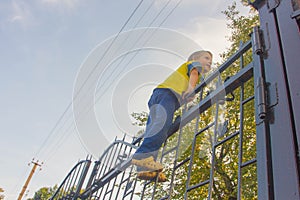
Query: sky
x=72 y=72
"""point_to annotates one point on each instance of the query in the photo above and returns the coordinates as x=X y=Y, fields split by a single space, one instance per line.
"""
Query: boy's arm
x=194 y=76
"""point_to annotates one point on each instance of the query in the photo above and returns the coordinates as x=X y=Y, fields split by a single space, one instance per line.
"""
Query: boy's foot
x=147 y=175
x=148 y=163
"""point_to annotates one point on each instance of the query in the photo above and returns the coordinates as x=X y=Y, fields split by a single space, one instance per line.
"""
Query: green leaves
x=44 y=193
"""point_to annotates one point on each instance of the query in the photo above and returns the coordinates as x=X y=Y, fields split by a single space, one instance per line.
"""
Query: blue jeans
x=162 y=104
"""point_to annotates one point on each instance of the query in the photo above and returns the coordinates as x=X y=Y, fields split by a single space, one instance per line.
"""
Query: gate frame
x=278 y=132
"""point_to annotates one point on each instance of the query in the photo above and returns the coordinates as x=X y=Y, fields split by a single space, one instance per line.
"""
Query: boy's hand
x=188 y=96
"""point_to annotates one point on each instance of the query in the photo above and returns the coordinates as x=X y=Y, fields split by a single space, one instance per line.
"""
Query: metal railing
x=113 y=177
x=238 y=140
x=71 y=186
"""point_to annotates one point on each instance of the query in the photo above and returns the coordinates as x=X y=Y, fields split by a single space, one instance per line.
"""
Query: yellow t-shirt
x=178 y=81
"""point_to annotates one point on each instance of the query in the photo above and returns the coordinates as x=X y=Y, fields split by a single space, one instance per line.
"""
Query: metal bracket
x=272 y=95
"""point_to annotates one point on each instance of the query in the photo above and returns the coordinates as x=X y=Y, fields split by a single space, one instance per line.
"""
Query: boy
x=165 y=100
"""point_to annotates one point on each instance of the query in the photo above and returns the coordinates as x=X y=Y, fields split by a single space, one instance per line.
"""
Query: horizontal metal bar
x=169 y=151
x=122 y=182
x=129 y=192
x=247 y=100
x=197 y=185
x=166 y=197
x=227 y=138
x=108 y=192
x=205 y=129
x=249 y=162
x=182 y=162
x=138 y=139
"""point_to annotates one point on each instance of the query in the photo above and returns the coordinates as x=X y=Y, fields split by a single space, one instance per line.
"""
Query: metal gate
x=239 y=140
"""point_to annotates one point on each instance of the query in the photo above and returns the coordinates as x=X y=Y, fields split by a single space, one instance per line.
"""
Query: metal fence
x=238 y=140
x=113 y=177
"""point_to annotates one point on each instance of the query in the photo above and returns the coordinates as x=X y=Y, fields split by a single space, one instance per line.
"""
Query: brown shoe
x=147 y=175
x=148 y=163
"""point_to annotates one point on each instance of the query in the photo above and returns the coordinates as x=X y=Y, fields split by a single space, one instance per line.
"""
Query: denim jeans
x=162 y=104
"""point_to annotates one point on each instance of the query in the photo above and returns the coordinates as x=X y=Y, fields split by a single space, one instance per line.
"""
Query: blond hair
x=197 y=54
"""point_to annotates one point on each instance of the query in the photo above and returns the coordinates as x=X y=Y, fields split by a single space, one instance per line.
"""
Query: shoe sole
x=152 y=176
x=146 y=165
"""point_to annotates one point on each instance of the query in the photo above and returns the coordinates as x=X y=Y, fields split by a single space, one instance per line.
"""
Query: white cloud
x=21 y=13
x=210 y=34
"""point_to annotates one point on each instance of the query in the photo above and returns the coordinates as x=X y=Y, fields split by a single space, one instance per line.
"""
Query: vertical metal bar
x=120 y=186
x=143 y=192
x=109 y=164
x=134 y=185
x=102 y=164
x=131 y=169
x=87 y=164
x=122 y=181
x=214 y=142
x=193 y=148
x=241 y=132
x=191 y=158
x=264 y=159
x=123 y=174
x=106 y=165
x=93 y=174
x=69 y=182
x=176 y=157
x=118 y=154
x=76 y=177
x=113 y=155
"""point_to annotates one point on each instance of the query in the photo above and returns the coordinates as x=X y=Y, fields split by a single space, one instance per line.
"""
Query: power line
x=136 y=52
x=70 y=104
x=122 y=28
x=123 y=58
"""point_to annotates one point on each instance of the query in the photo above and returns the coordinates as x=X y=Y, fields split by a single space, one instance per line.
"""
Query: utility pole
x=35 y=165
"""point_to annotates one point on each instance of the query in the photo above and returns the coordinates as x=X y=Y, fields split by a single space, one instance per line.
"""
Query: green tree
x=44 y=193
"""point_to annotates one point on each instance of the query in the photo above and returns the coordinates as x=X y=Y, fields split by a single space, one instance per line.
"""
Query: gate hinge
x=267 y=98
x=258 y=46
x=261 y=99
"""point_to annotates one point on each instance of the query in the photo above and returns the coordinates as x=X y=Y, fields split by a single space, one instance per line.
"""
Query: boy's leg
x=162 y=107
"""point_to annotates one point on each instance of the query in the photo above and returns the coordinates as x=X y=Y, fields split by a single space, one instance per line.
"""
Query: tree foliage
x=44 y=193
x=241 y=27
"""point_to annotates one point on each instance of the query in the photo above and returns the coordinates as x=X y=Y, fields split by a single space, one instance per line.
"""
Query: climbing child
x=165 y=100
